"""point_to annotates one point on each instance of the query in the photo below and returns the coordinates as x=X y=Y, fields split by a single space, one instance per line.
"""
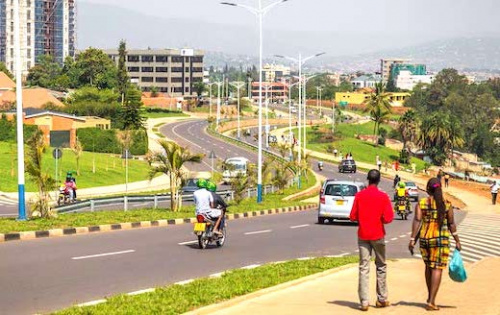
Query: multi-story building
x=273 y=73
x=406 y=80
x=276 y=91
x=359 y=98
x=386 y=66
x=171 y=71
x=47 y=27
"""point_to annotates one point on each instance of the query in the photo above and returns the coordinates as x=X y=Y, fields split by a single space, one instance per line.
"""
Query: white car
x=336 y=200
x=293 y=110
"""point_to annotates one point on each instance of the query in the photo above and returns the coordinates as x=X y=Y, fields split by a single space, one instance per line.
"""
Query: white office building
x=407 y=81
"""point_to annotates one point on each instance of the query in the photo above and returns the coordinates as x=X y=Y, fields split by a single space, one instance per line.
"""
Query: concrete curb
x=214 y=308
x=30 y=235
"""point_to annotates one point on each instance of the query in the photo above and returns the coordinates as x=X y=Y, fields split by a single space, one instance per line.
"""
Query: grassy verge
x=164 y=115
x=109 y=169
x=177 y=299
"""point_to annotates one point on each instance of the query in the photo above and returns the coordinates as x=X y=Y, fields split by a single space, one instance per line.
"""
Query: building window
x=164 y=89
x=161 y=69
x=186 y=90
x=29 y=28
x=133 y=58
x=196 y=69
x=147 y=79
x=161 y=58
x=187 y=79
x=176 y=80
x=147 y=69
x=187 y=69
x=197 y=59
x=29 y=54
x=177 y=69
x=133 y=69
x=29 y=40
x=162 y=80
x=147 y=59
x=177 y=59
x=29 y=65
x=178 y=90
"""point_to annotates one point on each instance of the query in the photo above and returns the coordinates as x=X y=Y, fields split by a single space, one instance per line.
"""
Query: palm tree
x=44 y=182
x=378 y=105
x=408 y=127
x=170 y=162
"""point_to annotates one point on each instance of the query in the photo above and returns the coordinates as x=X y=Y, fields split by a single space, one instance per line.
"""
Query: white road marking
x=300 y=226
x=402 y=236
x=305 y=258
x=91 y=303
x=188 y=243
x=8 y=214
x=217 y=275
x=251 y=267
x=141 y=292
x=258 y=232
x=184 y=282
x=104 y=254
x=394 y=239
x=386 y=242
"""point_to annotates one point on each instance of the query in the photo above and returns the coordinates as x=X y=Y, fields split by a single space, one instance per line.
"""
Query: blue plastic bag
x=456 y=269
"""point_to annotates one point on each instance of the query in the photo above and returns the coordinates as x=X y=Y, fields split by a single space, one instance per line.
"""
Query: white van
x=234 y=167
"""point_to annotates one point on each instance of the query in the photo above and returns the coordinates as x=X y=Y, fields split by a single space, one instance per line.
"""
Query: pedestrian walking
x=335 y=152
x=379 y=163
x=494 y=192
x=446 y=180
x=372 y=209
x=396 y=181
x=433 y=222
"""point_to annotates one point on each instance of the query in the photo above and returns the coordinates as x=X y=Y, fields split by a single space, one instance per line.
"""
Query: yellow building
x=93 y=122
x=358 y=98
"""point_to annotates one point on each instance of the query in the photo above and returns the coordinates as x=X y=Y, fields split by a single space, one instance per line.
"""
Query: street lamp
x=300 y=62
x=304 y=86
x=19 y=113
x=318 y=97
x=290 y=117
x=219 y=86
x=260 y=11
x=210 y=101
x=238 y=86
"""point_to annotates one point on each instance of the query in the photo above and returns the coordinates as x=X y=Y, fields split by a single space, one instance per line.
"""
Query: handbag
x=456 y=269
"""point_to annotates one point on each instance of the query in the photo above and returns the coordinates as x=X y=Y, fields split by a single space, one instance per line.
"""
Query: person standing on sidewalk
x=494 y=192
x=372 y=209
x=446 y=180
x=432 y=224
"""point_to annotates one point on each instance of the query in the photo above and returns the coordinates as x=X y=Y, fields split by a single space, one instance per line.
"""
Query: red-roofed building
x=276 y=91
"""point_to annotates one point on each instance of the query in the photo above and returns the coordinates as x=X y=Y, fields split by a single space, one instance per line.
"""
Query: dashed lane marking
x=258 y=232
x=104 y=254
x=188 y=243
x=299 y=226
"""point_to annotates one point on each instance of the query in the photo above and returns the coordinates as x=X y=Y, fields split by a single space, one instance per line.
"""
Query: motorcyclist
x=219 y=204
x=402 y=193
x=70 y=178
x=204 y=201
x=320 y=165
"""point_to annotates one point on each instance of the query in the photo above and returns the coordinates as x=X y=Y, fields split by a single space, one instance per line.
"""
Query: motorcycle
x=402 y=207
x=320 y=167
x=204 y=230
x=64 y=196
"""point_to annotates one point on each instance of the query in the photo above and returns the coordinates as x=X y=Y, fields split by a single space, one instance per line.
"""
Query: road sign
x=212 y=155
x=57 y=153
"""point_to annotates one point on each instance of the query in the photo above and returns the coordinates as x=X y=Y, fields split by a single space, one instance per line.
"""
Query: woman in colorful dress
x=432 y=225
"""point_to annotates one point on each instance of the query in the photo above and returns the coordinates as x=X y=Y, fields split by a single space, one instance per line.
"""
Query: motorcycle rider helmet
x=202 y=183
x=402 y=185
x=211 y=186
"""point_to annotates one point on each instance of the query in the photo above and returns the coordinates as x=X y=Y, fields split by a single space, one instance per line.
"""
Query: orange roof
x=6 y=83
x=32 y=98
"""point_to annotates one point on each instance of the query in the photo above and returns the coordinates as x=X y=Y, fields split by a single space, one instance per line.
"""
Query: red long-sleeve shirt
x=372 y=209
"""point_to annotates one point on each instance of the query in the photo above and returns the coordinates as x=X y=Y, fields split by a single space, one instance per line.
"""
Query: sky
x=434 y=18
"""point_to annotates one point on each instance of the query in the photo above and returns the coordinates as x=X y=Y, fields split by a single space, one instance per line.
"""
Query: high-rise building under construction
x=47 y=28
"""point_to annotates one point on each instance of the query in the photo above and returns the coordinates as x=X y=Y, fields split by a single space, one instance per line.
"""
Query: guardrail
x=92 y=204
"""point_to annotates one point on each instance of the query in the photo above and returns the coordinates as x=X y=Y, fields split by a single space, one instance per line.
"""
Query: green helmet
x=212 y=186
x=402 y=185
x=202 y=183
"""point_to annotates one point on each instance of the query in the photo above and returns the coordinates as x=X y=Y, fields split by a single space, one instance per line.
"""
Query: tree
x=408 y=127
x=3 y=68
x=154 y=91
x=200 y=88
x=379 y=107
x=78 y=151
x=123 y=80
x=170 y=162
x=131 y=114
x=47 y=74
x=94 y=68
x=44 y=182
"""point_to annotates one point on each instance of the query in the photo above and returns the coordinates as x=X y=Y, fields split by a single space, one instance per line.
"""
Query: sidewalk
x=336 y=293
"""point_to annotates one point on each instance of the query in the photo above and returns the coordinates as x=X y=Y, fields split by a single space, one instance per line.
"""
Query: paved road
x=8 y=208
x=49 y=274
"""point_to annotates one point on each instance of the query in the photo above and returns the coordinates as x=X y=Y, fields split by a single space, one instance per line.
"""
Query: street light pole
x=260 y=12
x=219 y=87
x=305 y=109
x=290 y=118
x=19 y=113
x=238 y=86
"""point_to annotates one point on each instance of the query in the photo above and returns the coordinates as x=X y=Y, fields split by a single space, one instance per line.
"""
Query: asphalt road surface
x=49 y=274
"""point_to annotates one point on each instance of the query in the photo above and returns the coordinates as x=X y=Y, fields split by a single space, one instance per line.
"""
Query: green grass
x=361 y=150
x=177 y=299
x=164 y=115
x=110 y=169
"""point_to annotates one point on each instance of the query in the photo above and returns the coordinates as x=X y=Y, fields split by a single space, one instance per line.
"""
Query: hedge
x=106 y=141
x=8 y=132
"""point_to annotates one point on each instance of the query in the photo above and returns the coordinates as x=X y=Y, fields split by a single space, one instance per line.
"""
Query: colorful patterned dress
x=434 y=241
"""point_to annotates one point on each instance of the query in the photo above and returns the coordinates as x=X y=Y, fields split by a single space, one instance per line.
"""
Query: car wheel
x=321 y=220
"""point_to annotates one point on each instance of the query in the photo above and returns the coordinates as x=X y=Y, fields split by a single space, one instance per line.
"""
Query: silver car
x=336 y=199
x=412 y=190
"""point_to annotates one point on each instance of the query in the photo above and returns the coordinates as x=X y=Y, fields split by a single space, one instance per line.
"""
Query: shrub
x=8 y=130
x=105 y=141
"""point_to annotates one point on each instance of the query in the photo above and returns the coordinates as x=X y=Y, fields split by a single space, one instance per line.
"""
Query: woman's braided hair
x=434 y=188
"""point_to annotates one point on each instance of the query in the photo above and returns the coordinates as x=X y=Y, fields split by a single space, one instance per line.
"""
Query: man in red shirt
x=372 y=209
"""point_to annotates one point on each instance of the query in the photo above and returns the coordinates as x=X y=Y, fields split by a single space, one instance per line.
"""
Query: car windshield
x=341 y=190
x=411 y=184
x=191 y=182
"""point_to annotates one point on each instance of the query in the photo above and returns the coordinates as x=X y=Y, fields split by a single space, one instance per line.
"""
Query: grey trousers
x=365 y=252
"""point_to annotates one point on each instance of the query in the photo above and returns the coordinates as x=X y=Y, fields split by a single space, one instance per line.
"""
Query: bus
x=234 y=167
